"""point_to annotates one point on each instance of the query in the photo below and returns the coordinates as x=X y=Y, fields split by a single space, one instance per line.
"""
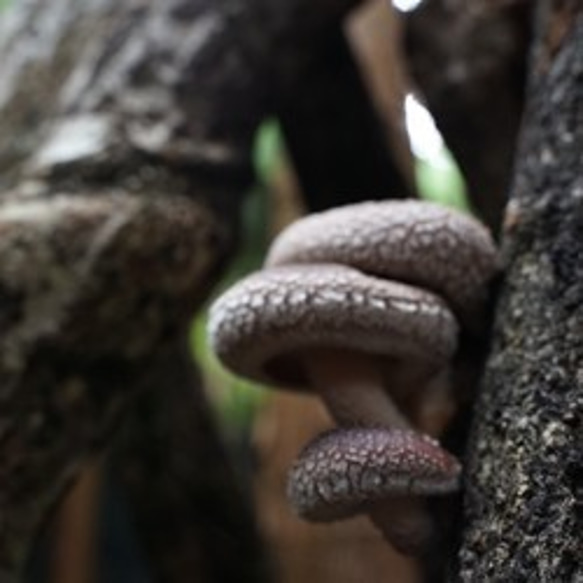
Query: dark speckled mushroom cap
x=342 y=471
x=416 y=242
x=262 y=325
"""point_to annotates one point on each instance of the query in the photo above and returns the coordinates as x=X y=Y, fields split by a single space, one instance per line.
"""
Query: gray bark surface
x=524 y=485
x=125 y=150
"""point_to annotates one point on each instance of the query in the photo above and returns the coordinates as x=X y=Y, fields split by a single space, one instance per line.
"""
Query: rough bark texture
x=130 y=126
x=186 y=81
x=89 y=287
x=107 y=245
x=469 y=60
x=524 y=491
x=188 y=506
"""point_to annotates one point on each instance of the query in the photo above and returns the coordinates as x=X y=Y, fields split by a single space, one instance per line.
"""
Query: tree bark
x=469 y=60
x=131 y=125
x=195 y=102
x=524 y=484
x=195 y=519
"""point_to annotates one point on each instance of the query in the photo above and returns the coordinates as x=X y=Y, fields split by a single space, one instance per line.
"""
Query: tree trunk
x=130 y=128
x=194 y=518
x=469 y=59
x=524 y=485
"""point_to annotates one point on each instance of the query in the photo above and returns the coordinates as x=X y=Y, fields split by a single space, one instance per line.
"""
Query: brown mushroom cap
x=344 y=471
x=416 y=242
x=262 y=326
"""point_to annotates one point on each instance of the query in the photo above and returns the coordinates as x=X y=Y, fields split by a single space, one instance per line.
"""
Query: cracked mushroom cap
x=343 y=471
x=262 y=326
x=416 y=242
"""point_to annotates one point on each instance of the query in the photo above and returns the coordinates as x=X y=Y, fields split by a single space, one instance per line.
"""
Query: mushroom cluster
x=363 y=305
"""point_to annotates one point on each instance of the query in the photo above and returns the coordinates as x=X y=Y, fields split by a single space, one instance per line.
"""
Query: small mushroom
x=345 y=472
x=336 y=330
x=326 y=314
x=416 y=242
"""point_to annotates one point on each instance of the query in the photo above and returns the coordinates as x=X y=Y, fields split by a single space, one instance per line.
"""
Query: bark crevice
x=525 y=457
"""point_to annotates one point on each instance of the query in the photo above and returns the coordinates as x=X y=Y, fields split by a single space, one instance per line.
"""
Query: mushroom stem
x=404 y=522
x=351 y=385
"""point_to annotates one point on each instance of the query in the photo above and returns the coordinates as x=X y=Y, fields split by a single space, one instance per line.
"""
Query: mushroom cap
x=263 y=326
x=343 y=471
x=416 y=242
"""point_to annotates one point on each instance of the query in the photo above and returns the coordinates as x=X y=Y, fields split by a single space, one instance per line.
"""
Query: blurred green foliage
x=236 y=400
x=441 y=181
